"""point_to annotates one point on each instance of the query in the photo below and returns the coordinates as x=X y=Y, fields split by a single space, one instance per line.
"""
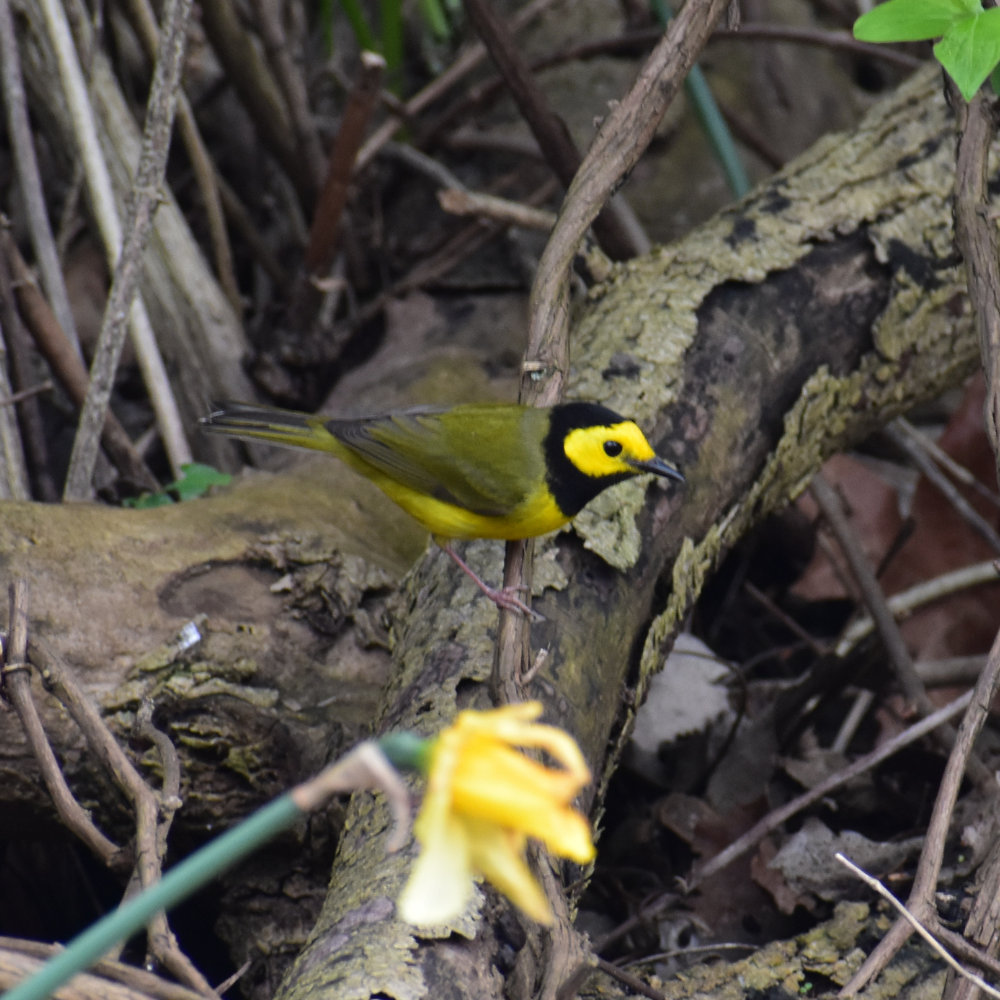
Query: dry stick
x=292 y=85
x=979 y=244
x=143 y=21
x=960 y=472
x=487 y=206
x=13 y=479
x=874 y=883
x=921 y=901
x=982 y=927
x=68 y=368
x=616 y=235
x=790 y=623
x=138 y=979
x=631 y=981
x=777 y=817
x=622 y=139
x=925 y=464
x=29 y=413
x=923 y=593
x=962 y=946
x=899 y=656
x=106 y=213
x=325 y=229
x=243 y=221
x=148 y=180
x=752 y=31
x=454 y=252
x=438 y=87
x=59 y=681
x=251 y=78
x=17 y=686
x=750 y=136
x=900 y=660
x=36 y=390
x=19 y=129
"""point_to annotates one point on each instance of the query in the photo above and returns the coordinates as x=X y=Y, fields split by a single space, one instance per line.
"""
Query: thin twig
x=22 y=370
x=138 y=979
x=68 y=367
x=978 y=241
x=842 y=40
x=921 y=901
x=790 y=623
x=59 y=681
x=962 y=946
x=899 y=656
x=434 y=268
x=926 y=465
x=143 y=20
x=293 y=87
x=307 y=298
x=17 y=686
x=243 y=221
x=554 y=139
x=248 y=73
x=457 y=71
x=923 y=593
x=36 y=390
x=874 y=883
x=631 y=981
x=13 y=477
x=487 y=206
x=29 y=181
x=128 y=267
x=960 y=472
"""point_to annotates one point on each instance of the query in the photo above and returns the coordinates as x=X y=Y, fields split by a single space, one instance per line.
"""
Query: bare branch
x=122 y=298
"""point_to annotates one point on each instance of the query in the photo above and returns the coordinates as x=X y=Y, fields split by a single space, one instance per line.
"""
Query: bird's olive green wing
x=486 y=459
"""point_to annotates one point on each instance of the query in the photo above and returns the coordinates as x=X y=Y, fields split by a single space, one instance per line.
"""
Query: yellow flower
x=483 y=800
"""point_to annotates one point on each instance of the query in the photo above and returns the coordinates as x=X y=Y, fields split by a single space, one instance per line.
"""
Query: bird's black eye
x=612 y=448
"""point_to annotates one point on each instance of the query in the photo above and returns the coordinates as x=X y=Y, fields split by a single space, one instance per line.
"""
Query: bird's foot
x=505 y=597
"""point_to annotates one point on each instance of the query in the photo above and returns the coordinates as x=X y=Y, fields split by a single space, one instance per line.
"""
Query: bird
x=494 y=470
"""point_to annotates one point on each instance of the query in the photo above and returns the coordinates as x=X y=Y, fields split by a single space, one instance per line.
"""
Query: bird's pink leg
x=503 y=598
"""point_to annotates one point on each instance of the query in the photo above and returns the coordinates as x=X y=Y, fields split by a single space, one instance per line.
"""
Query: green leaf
x=147 y=501
x=995 y=81
x=359 y=24
x=970 y=50
x=196 y=480
x=912 y=20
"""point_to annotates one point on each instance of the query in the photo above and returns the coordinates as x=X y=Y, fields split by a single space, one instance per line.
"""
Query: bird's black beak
x=659 y=468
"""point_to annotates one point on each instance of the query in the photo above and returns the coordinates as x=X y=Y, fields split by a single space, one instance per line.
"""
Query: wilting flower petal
x=484 y=798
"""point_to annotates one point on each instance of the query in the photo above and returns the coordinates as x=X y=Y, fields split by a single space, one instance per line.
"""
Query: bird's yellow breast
x=538 y=515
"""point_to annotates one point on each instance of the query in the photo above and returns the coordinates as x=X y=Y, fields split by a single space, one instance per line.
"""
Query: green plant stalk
x=719 y=137
x=180 y=882
x=359 y=25
x=717 y=131
x=391 y=18
x=326 y=25
x=435 y=17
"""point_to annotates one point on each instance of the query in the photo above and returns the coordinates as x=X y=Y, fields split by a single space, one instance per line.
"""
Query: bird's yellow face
x=608 y=451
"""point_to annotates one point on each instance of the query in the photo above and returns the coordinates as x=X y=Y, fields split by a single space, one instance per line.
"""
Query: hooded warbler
x=471 y=471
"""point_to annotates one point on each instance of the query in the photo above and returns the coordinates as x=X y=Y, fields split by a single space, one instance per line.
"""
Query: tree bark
x=784 y=330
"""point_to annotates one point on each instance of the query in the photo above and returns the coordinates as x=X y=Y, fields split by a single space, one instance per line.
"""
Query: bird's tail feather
x=266 y=423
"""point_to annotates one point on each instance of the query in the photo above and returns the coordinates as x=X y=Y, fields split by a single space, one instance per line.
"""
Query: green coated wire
x=180 y=882
x=710 y=117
